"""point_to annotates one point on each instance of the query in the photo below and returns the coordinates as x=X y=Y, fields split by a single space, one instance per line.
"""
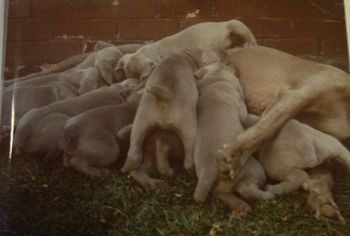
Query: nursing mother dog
x=279 y=86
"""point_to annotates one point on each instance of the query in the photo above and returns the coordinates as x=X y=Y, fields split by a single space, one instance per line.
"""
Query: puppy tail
x=159 y=93
x=250 y=120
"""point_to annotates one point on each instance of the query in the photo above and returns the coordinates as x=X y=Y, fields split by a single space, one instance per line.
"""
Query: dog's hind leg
x=291 y=178
x=188 y=133
x=134 y=158
x=253 y=192
x=162 y=158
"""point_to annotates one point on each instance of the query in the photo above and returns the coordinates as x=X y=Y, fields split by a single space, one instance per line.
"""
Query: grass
x=37 y=199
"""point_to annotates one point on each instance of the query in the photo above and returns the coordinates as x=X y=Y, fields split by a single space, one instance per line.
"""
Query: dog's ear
x=196 y=55
x=101 y=45
x=106 y=69
x=147 y=70
x=87 y=85
x=119 y=73
x=124 y=94
x=199 y=73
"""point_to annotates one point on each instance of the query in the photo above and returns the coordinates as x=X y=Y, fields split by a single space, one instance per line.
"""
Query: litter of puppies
x=186 y=98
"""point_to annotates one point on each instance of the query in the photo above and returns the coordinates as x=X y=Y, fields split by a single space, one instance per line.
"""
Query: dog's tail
x=160 y=93
x=250 y=120
x=238 y=35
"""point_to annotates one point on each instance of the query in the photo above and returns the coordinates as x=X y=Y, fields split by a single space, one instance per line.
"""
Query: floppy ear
x=146 y=72
x=124 y=94
x=199 y=73
x=119 y=73
x=196 y=55
x=101 y=45
x=87 y=85
x=106 y=70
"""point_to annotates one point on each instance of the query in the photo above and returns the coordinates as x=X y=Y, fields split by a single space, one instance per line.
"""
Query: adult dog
x=279 y=86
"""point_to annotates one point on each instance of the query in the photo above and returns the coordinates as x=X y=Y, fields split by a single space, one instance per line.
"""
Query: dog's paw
x=326 y=209
x=241 y=210
x=153 y=184
x=273 y=189
x=267 y=195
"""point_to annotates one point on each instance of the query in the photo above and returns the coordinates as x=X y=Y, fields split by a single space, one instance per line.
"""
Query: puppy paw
x=273 y=189
x=326 y=209
x=241 y=210
x=267 y=195
x=153 y=184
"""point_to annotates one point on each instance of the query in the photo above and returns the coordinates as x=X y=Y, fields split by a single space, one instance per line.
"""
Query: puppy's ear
x=106 y=70
x=124 y=94
x=87 y=85
x=101 y=45
x=119 y=73
x=147 y=70
x=199 y=73
x=196 y=55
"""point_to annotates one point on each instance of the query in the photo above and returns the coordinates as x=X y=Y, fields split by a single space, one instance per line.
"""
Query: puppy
x=220 y=112
x=320 y=198
x=295 y=148
x=90 y=138
x=169 y=102
x=34 y=132
x=223 y=35
x=96 y=71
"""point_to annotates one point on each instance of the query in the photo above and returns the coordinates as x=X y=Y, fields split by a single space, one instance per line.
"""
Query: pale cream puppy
x=320 y=198
x=169 y=102
x=218 y=35
x=293 y=149
x=41 y=129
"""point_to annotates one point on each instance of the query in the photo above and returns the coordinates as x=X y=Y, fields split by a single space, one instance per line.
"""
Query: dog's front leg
x=288 y=105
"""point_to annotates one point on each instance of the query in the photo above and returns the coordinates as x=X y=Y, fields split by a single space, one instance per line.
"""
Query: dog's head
x=134 y=66
x=106 y=60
